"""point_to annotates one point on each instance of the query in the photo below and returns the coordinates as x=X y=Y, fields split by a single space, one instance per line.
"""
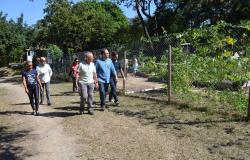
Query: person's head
x=38 y=60
x=105 y=53
x=76 y=61
x=89 y=57
x=114 y=55
x=42 y=61
x=28 y=65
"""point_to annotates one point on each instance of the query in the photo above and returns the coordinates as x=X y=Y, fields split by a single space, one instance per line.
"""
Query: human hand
x=26 y=90
x=96 y=86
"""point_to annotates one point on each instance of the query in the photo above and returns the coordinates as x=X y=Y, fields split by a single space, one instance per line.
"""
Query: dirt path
x=136 y=130
x=45 y=137
x=137 y=84
x=105 y=136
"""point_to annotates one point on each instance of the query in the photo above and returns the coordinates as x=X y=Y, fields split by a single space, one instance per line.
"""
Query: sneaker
x=41 y=103
x=111 y=100
x=90 y=112
x=102 y=109
x=37 y=114
x=49 y=104
x=117 y=102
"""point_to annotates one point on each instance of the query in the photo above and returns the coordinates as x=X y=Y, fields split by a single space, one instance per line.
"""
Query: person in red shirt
x=75 y=74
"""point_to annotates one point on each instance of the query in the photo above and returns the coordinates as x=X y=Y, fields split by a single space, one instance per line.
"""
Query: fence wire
x=210 y=82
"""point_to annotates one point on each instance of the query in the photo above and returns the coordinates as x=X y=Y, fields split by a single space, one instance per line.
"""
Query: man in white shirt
x=44 y=72
x=87 y=82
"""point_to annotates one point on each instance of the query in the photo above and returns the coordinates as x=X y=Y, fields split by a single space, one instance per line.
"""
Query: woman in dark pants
x=30 y=83
x=75 y=74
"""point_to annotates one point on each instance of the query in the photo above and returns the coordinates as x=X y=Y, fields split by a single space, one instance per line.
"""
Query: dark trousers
x=46 y=86
x=112 y=93
x=103 y=89
x=75 y=85
x=34 y=97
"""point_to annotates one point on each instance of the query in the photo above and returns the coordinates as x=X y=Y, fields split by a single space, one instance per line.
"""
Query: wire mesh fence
x=213 y=82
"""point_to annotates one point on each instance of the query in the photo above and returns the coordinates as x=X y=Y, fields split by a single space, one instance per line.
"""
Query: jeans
x=46 y=86
x=34 y=96
x=103 y=89
x=86 y=93
x=112 y=93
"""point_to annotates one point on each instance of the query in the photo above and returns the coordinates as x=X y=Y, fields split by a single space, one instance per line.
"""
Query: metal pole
x=125 y=72
x=248 y=112
x=169 y=72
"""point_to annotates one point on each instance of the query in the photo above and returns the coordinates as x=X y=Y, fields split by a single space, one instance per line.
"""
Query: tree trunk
x=145 y=29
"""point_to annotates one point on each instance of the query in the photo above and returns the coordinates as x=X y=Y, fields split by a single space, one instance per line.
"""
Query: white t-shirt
x=86 y=72
x=44 y=73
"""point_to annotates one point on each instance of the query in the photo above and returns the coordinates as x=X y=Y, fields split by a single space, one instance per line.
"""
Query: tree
x=13 y=39
x=81 y=26
x=178 y=15
x=55 y=51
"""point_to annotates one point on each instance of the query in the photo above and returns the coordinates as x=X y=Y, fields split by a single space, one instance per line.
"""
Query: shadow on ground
x=58 y=114
x=75 y=108
x=8 y=151
x=20 y=104
x=16 y=80
x=65 y=94
x=15 y=112
x=166 y=120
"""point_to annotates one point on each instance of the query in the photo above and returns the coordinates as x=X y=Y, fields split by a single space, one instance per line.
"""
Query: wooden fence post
x=125 y=72
x=248 y=110
x=169 y=72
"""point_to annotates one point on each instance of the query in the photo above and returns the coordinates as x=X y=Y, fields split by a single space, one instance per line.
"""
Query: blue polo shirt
x=104 y=68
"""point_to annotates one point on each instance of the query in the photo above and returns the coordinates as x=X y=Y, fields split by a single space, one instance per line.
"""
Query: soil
x=137 y=84
x=136 y=129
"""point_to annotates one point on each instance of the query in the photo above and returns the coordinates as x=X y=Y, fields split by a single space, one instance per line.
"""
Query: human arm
x=95 y=78
x=113 y=72
x=39 y=82
x=38 y=79
x=50 y=71
x=25 y=85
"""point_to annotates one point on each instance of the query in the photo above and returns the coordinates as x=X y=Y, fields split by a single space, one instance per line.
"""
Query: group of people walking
x=86 y=76
x=100 y=74
x=35 y=80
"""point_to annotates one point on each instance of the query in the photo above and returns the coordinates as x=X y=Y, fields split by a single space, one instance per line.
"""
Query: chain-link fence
x=61 y=67
x=205 y=76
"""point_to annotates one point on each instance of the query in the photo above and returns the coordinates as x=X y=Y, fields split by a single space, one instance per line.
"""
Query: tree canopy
x=81 y=26
x=93 y=24
x=178 y=15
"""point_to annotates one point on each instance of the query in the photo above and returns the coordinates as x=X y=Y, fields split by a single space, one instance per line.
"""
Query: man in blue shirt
x=104 y=69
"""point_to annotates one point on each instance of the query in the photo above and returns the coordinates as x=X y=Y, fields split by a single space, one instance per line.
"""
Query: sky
x=33 y=11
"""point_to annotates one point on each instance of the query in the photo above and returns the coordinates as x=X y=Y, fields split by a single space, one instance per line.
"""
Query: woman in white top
x=87 y=82
x=44 y=72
